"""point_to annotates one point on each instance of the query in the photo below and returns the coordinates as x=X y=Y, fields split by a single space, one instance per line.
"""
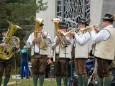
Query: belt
x=36 y=54
x=39 y=54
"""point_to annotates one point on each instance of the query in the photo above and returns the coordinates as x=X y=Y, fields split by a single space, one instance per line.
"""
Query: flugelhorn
x=87 y=29
x=37 y=33
x=72 y=30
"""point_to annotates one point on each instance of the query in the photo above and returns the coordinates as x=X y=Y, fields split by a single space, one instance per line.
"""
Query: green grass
x=29 y=82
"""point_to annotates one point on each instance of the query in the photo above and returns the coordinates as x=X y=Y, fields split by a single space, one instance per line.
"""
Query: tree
x=20 y=11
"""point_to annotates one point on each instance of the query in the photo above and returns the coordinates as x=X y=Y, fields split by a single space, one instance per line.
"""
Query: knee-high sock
x=107 y=81
x=41 y=80
x=100 y=82
x=85 y=80
x=6 y=80
x=35 y=79
x=65 y=79
x=0 y=81
x=58 y=81
x=80 y=82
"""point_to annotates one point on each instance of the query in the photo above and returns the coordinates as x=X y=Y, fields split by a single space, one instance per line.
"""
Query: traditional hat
x=63 y=25
x=84 y=21
x=108 y=17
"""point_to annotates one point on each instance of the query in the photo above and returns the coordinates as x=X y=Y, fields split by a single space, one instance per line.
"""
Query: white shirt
x=30 y=39
x=35 y=48
x=82 y=39
x=101 y=35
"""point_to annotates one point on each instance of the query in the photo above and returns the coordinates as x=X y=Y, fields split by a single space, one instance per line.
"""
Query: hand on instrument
x=72 y=33
x=49 y=61
x=17 y=46
x=91 y=28
x=58 y=41
x=3 y=44
x=35 y=41
x=44 y=34
x=94 y=28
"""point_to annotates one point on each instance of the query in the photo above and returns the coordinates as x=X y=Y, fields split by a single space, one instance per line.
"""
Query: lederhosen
x=5 y=65
x=39 y=63
x=61 y=66
x=103 y=67
x=80 y=64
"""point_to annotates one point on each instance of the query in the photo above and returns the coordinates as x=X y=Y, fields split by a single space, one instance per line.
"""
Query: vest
x=46 y=51
x=65 y=52
x=82 y=51
x=106 y=49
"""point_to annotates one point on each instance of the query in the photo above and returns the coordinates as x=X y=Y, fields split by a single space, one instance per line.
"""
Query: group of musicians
x=68 y=45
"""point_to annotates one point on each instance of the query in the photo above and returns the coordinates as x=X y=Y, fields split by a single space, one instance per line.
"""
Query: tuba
x=7 y=52
x=37 y=33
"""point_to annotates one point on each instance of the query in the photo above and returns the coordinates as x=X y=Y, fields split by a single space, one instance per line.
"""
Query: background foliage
x=22 y=13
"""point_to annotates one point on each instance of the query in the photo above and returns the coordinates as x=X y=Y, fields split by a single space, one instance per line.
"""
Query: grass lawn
x=29 y=82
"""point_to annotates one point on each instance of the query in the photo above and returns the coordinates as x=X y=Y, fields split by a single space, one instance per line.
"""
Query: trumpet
x=72 y=30
x=87 y=29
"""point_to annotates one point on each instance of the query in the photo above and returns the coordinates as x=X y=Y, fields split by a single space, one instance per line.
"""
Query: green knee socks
x=80 y=82
x=6 y=80
x=100 y=82
x=107 y=81
x=41 y=80
x=85 y=80
x=65 y=81
x=35 y=79
x=0 y=81
x=58 y=81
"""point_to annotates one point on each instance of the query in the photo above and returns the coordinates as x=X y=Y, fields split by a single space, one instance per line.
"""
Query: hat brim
x=82 y=22
x=41 y=24
x=107 y=19
x=63 y=25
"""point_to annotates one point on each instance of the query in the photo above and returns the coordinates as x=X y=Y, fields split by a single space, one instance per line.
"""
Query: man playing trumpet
x=62 y=46
x=82 y=44
x=105 y=48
